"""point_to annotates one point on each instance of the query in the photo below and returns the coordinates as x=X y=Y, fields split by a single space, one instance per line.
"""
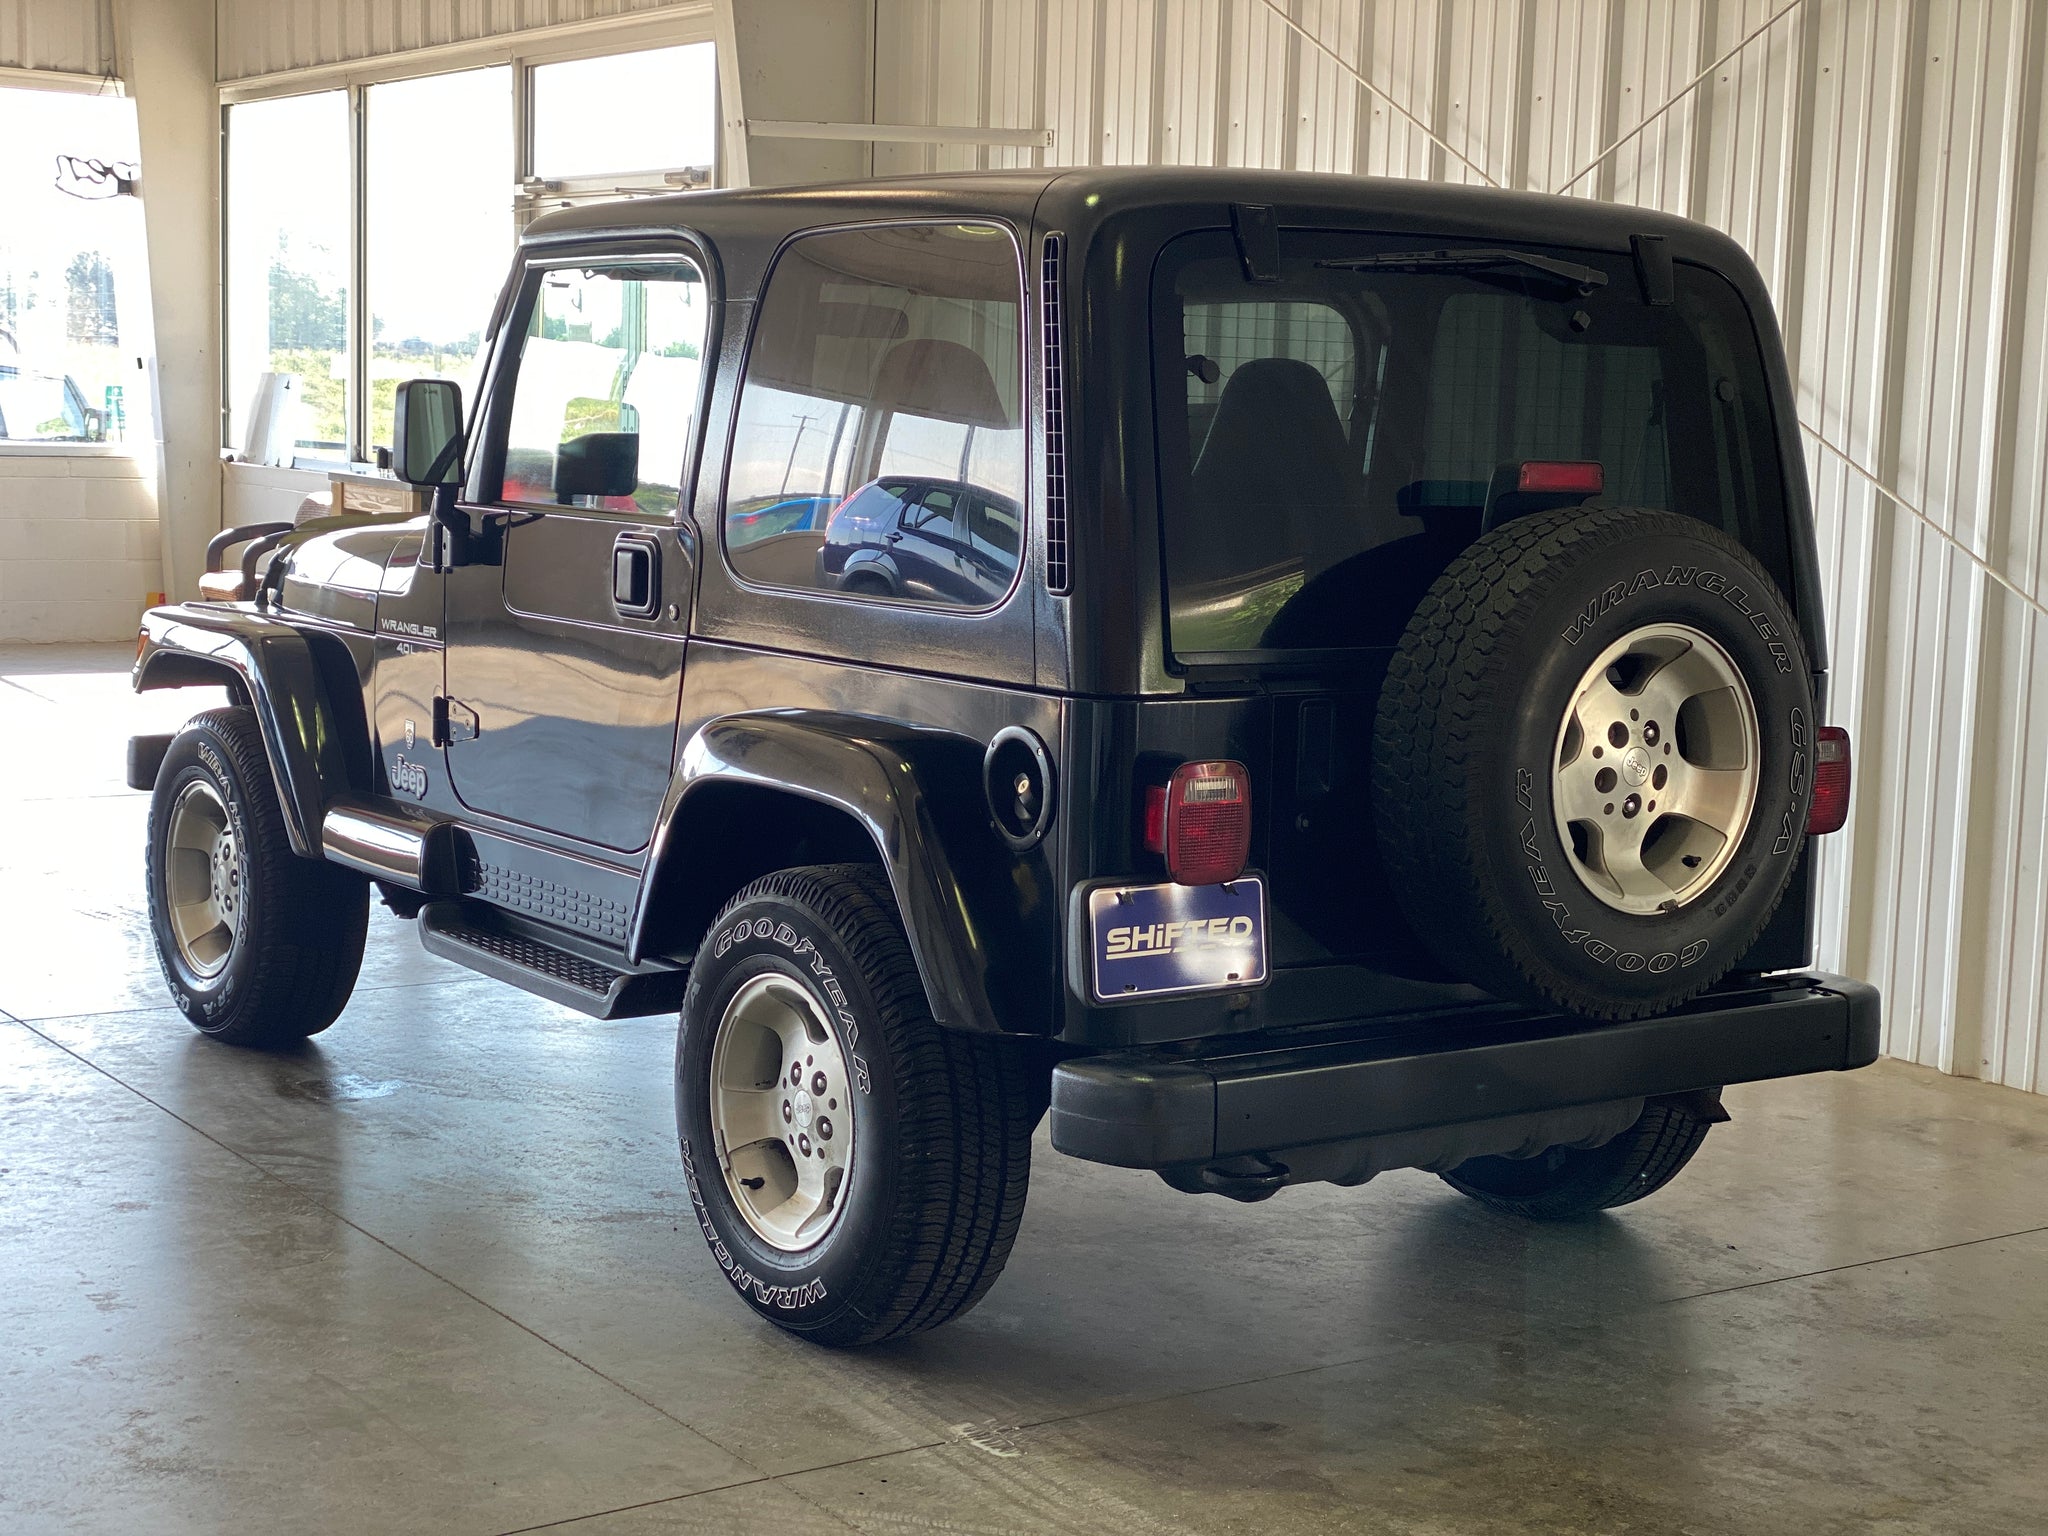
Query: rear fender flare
x=866 y=770
x=187 y=646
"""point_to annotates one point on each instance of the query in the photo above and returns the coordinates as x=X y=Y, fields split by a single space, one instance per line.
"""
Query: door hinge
x=453 y=721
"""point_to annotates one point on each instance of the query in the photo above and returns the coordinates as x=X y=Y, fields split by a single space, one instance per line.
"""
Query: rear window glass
x=879 y=452
x=1331 y=441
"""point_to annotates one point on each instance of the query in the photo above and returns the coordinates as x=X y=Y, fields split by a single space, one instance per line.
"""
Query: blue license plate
x=1156 y=940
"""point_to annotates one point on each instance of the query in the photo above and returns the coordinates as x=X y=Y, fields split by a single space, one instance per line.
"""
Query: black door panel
x=575 y=706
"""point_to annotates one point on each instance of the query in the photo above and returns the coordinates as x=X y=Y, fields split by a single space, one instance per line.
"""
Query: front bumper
x=1223 y=1098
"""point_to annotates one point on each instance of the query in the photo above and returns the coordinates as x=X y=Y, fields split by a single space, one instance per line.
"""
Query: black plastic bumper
x=1214 y=1099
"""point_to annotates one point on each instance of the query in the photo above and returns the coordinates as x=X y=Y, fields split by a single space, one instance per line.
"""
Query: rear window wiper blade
x=1586 y=279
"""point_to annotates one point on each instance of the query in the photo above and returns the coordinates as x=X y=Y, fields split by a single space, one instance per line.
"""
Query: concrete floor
x=433 y=1273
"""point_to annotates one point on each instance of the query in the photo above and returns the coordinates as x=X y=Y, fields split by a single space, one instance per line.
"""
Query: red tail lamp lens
x=1830 y=809
x=1577 y=477
x=1202 y=822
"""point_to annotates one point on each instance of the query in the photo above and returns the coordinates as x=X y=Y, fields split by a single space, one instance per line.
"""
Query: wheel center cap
x=1635 y=767
x=803 y=1110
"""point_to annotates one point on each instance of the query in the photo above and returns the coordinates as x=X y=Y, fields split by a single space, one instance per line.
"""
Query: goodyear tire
x=259 y=946
x=1592 y=760
x=858 y=1172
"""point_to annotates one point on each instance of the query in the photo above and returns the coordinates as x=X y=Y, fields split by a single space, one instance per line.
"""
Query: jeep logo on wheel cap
x=1635 y=767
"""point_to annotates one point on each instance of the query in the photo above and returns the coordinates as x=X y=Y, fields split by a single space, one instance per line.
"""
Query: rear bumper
x=1221 y=1098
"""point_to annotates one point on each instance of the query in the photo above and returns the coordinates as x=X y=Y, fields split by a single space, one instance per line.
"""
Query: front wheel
x=858 y=1172
x=1564 y=1183
x=260 y=947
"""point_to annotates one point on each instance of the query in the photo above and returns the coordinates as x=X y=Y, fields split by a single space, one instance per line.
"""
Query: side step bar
x=497 y=945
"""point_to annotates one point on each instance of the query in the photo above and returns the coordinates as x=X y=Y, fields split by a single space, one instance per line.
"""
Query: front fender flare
x=190 y=644
x=865 y=768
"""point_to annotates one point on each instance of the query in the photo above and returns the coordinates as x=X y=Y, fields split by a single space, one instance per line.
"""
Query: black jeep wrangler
x=1302 y=675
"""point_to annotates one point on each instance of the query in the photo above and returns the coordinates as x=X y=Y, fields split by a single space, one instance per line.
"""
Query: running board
x=414 y=851
x=487 y=941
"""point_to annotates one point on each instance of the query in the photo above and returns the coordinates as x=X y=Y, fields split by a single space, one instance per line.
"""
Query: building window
x=626 y=112
x=438 y=214
x=288 y=267
x=74 y=297
x=880 y=446
x=369 y=228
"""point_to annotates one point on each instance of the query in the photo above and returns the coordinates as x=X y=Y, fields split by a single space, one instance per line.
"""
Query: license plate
x=1155 y=940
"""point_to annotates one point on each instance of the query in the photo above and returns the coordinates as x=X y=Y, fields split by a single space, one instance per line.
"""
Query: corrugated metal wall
x=72 y=35
x=260 y=37
x=1886 y=162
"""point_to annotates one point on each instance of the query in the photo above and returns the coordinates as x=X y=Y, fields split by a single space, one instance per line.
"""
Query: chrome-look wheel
x=1655 y=773
x=782 y=1112
x=203 y=879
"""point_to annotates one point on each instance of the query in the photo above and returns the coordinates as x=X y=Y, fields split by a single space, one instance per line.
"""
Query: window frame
x=522 y=52
x=1026 y=336
x=491 y=413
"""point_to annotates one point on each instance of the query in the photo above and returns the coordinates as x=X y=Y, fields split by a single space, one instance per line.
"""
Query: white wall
x=1886 y=162
x=76 y=36
x=78 y=545
x=259 y=37
x=166 y=57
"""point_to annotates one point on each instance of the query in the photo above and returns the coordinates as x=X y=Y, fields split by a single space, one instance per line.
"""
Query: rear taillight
x=1830 y=809
x=1200 y=821
x=1578 y=477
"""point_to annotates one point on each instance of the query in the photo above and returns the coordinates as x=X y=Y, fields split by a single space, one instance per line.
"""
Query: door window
x=886 y=368
x=605 y=399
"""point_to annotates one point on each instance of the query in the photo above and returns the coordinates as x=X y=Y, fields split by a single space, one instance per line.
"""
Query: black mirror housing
x=598 y=464
x=426 y=432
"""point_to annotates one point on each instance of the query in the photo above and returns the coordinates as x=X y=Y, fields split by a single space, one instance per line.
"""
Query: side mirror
x=598 y=464
x=426 y=432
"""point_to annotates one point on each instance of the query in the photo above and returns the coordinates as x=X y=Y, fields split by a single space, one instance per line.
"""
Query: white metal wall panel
x=260 y=37
x=1886 y=163
x=76 y=36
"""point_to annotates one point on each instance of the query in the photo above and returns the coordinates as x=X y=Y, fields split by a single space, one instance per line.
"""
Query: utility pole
x=801 y=422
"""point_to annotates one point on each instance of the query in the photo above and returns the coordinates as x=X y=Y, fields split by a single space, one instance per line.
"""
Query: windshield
x=1331 y=441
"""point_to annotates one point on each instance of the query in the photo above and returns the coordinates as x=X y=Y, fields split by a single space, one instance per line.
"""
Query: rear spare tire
x=1592 y=760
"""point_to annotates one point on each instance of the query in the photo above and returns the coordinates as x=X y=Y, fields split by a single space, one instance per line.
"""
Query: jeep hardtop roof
x=1079 y=199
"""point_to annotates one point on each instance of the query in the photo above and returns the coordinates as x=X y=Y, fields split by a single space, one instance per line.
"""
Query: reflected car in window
x=44 y=407
x=932 y=541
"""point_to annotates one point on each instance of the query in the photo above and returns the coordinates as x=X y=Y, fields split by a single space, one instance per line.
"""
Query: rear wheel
x=260 y=947
x=1564 y=1183
x=858 y=1172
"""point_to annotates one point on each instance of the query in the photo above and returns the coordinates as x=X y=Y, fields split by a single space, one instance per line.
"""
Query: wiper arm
x=1586 y=279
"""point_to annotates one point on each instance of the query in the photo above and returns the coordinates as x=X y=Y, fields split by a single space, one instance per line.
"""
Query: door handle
x=636 y=576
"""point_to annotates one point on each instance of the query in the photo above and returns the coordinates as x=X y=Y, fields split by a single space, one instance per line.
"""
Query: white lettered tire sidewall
x=1711 y=586
x=199 y=755
x=811 y=1289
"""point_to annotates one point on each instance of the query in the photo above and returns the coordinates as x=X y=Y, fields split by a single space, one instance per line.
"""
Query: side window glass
x=881 y=400
x=606 y=394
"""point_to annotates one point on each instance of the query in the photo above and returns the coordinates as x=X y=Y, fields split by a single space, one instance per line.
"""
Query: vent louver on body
x=1056 y=548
